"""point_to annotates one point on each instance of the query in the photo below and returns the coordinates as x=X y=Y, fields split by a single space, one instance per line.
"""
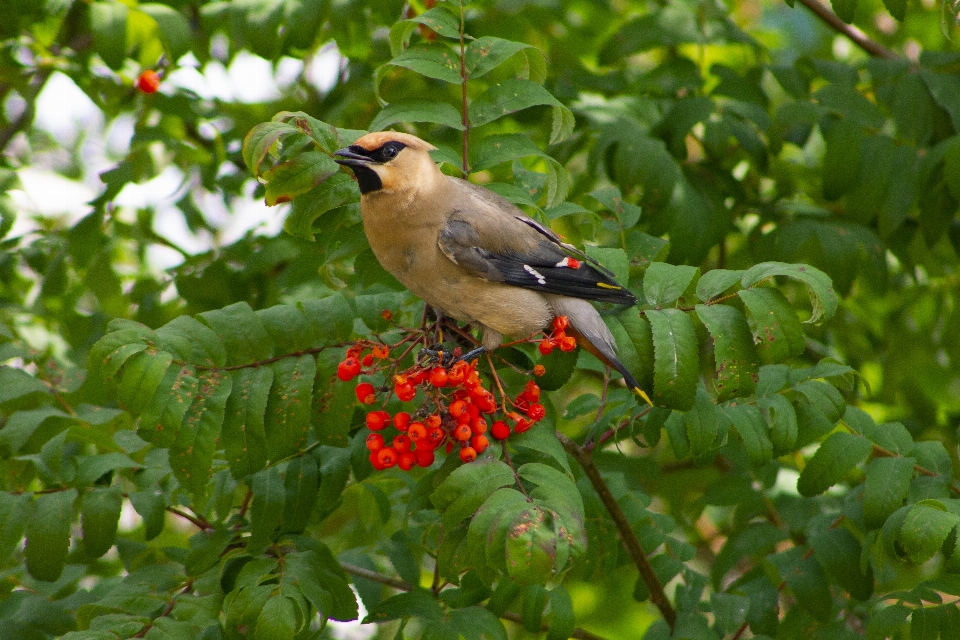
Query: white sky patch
x=63 y=110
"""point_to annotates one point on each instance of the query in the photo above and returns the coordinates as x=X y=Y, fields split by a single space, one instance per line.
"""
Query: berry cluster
x=457 y=412
x=559 y=338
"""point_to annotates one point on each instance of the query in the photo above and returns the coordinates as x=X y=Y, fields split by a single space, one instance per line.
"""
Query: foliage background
x=745 y=133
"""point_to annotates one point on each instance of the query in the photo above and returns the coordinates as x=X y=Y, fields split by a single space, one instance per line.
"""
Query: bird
x=473 y=255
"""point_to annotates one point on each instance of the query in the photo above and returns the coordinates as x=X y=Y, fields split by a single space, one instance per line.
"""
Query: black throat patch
x=367 y=178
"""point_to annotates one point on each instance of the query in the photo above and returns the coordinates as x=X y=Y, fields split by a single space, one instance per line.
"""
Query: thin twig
x=463 y=92
x=857 y=36
x=627 y=535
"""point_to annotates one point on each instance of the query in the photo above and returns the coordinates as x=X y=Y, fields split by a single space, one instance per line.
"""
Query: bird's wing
x=494 y=240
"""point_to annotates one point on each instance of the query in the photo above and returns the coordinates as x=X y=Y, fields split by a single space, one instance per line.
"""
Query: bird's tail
x=592 y=334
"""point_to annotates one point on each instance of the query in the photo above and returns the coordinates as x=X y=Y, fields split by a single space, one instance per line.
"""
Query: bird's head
x=388 y=161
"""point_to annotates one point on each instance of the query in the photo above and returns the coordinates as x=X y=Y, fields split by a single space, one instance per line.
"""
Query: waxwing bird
x=472 y=254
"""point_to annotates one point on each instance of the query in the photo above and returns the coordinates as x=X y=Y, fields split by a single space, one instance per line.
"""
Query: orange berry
x=500 y=430
x=401 y=421
x=380 y=352
x=401 y=443
x=433 y=420
x=375 y=461
x=417 y=431
x=405 y=392
x=374 y=442
x=480 y=443
x=468 y=454
x=560 y=323
x=478 y=425
x=458 y=408
x=367 y=360
x=539 y=370
x=463 y=432
x=377 y=420
x=531 y=391
x=424 y=457
x=568 y=343
x=387 y=457
x=149 y=81
x=406 y=460
x=546 y=346
x=435 y=436
x=348 y=369
x=438 y=377
x=366 y=394
x=457 y=374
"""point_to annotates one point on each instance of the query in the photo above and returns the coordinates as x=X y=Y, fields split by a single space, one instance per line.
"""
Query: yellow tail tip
x=643 y=394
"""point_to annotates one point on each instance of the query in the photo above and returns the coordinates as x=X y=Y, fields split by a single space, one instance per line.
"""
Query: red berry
x=418 y=376
x=546 y=346
x=500 y=430
x=536 y=412
x=478 y=425
x=435 y=435
x=366 y=394
x=377 y=420
x=463 y=432
x=367 y=360
x=348 y=369
x=468 y=454
x=560 y=323
x=568 y=343
x=522 y=403
x=438 y=377
x=401 y=421
x=417 y=431
x=401 y=443
x=457 y=374
x=522 y=425
x=539 y=370
x=458 y=408
x=149 y=81
x=531 y=391
x=425 y=457
x=405 y=392
x=387 y=457
x=406 y=460
x=433 y=420
x=375 y=461
x=374 y=442
x=480 y=443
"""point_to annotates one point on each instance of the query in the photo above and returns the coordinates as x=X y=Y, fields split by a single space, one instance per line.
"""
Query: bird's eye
x=390 y=151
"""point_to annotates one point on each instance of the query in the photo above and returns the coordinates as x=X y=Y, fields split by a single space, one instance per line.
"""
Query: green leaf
x=806 y=579
x=628 y=215
x=333 y=317
x=561 y=618
x=337 y=191
x=634 y=340
x=839 y=553
x=841 y=163
x=174 y=28
x=110 y=353
x=845 y=9
x=303 y=172
x=926 y=528
x=782 y=418
x=716 y=281
x=677 y=363
x=703 y=426
x=418 y=111
x=90 y=468
x=14 y=515
x=749 y=423
x=322 y=582
x=243 y=334
x=192 y=341
x=508 y=97
x=433 y=60
x=277 y=619
x=161 y=418
x=945 y=89
x=531 y=546
x=613 y=258
x=19 y=389
x=823 y=298
x=836 y=457
x=885 y=488
x=143 y=374
x=244 y=435
x=503 y=147
x=100 y=514
x=191 y=455
x=476 y=623
x=487 y=53
x=664 y=283
x=729 y=610
x=289 y=406
x=259 y=141
x=108 y=23
x=464 y=490
x=266 y=507
x=559 y=367
x=737 y=362
x=776 y=328
x=417 y=603
x=486 y=534
x=48 y=534
x=440 y=20
x=300 y=483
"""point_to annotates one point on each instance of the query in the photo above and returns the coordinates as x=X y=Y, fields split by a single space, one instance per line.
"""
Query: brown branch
x=198 y=521
x=627 y=535
x=857 y=36
x=166 y=611
x=463 y=93
x=403 y=585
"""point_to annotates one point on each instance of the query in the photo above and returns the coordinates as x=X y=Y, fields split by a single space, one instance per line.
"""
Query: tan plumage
x=472 y=254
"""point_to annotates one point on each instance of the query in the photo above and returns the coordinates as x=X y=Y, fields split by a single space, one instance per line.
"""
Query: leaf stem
x=463 y=92
x=857 y=36
x=627 y=535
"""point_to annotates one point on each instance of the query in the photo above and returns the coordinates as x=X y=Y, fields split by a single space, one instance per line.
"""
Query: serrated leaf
x=142 y=376
x=634 y=339
x=14 y=514
x=885 y=488
x=464 y=490
x=244 y=435
x=628 y=215
x=488 y=52
x=241 y=331
x=339 y=190
x=925 y=529
x=559 y=367
x=561 y=616
x=300 y=174
x=482 y=545
x=192 y=341
x=503 y=147
x=417 y=603
x=161 y=418
x=257 y=143
x=531 y=546
x=677 y=363
x=323 y=583
x=289 y=406
x=433 y=60
x=823 y=298
x=836 y=457
x=664 y=283
x=806 y=579
x=300 y=483
x=737 y=362
x=508 y=97
x=266 y=507
x=191 y=455
x=614 y=259
x=418 y=111
x=277 y=619
x=100 y=514
x=332 y=316
x=716 y=281
x=776 y=328
x=48 y=534
x=111 y=351
x=476 y=623
x=749 y=423
x=108 y=24
x=783 y=423
x=703 y=425
x=839 y=553
x=18 y=388
x=92 y=467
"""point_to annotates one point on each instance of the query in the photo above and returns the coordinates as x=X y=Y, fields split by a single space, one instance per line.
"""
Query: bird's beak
x=351 y=158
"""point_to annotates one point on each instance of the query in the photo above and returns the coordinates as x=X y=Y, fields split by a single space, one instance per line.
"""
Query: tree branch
x=627 y=535
x=857 y=36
